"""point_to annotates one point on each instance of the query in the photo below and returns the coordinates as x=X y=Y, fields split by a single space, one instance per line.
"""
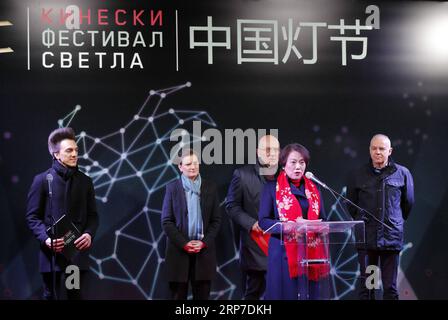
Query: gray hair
x=383 y=136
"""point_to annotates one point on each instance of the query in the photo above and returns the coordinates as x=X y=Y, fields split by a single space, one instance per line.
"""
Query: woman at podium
x=288 y=201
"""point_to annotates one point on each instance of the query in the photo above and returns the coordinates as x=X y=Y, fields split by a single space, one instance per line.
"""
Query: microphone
x=310 y=175
x=49 y=180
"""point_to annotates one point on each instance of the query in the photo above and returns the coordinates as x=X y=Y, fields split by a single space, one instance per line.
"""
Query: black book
x=64 y=228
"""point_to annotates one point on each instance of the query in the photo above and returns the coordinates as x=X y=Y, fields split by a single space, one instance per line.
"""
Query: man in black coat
x=386 y=190
x=242 y=204
x=191 y=220
x=60 y=190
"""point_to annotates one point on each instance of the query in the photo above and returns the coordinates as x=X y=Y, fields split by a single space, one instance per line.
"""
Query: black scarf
x=64 y=172
x=69 y=176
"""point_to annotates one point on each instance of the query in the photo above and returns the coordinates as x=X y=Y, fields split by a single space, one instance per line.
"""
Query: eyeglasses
x=270 y=150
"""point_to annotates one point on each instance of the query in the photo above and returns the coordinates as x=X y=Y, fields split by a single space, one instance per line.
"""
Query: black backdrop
x=398 y=89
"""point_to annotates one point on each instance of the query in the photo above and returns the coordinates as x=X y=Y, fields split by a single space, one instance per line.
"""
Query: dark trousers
x=254 y=284
x=388 y=261
x=200 y=288
x=70 y=294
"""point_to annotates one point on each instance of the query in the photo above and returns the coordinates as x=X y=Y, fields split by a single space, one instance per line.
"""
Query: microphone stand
x=354 y=204
x=52 y=235
x=53 y=257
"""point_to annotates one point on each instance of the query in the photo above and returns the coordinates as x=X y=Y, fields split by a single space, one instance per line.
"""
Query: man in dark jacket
x=191 y=220
x=386 y=190
x=60 y=190
x=242 y=204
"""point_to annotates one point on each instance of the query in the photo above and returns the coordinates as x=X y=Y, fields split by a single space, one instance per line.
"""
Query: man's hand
x=256 y=227
x=194 y=246
x=83 y=242
x=58 y=244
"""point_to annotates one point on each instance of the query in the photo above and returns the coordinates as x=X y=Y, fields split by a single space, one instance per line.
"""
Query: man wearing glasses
x=242 y=204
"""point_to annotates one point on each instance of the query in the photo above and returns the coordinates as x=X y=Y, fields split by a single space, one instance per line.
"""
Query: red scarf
x=289 y=209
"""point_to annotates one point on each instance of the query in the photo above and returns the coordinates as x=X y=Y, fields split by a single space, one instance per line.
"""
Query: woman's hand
x=194 y=246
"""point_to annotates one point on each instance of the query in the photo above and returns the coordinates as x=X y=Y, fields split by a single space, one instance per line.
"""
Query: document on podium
x=64 y=228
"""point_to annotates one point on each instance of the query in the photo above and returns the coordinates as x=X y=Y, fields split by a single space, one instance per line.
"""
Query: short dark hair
x=182 y=153
x=55 y=138
x=284 y=154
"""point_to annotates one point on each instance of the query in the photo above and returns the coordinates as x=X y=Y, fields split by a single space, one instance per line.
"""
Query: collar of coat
x=384 y=172
x=63 y=171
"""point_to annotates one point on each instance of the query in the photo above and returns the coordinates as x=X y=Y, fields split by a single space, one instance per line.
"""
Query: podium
x=311 y=241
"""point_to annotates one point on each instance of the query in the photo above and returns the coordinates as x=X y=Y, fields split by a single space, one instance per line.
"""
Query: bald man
x=385 y=189
x=242 y=204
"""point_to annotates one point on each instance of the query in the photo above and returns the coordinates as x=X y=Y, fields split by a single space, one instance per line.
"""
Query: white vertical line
x=177 y=45
x=28 y=34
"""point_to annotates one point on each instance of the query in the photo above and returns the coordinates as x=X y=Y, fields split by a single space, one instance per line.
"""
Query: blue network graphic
x=138 y=153
x=145 y=136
